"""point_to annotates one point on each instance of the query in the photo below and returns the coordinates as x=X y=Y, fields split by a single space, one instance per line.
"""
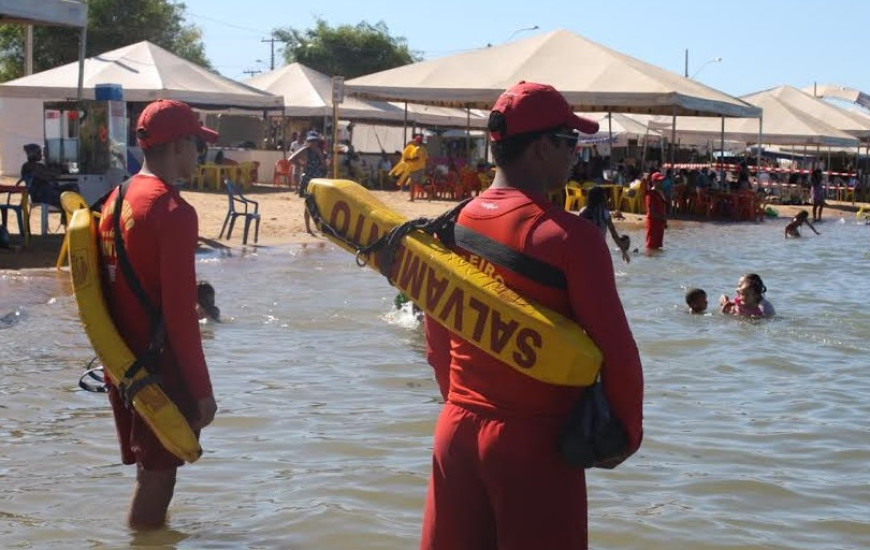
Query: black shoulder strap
x=128 y=387
x=450 y=233
x=127 y=267
x=505 y=256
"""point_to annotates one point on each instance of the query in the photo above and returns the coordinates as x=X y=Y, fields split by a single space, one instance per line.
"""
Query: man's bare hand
x=206 y=408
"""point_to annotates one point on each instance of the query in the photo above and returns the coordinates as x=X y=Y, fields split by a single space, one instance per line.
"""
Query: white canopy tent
x=308 y=93
x=17 y=130
x=146 y=72
x=839 y=92
x=841 y=119
x=63 y=13
x=618 y=128
x=68 y=13
x=591 y=76
x=781 y=124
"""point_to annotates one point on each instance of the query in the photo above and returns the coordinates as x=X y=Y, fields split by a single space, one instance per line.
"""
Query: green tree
x=346 y=50
x=111 y=24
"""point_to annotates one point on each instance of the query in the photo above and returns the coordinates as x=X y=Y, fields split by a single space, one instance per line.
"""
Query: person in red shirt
x=656 y=208
x=498 y=479
x=159 y=233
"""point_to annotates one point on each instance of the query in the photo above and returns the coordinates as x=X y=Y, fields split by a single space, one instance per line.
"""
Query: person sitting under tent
x=43 y=186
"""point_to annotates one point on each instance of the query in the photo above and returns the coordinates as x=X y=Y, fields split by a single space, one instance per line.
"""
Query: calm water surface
x=756 y=431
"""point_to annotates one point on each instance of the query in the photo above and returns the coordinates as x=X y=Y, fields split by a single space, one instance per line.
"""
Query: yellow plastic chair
x=574 y=198
x=632 y=201
x=70 y=201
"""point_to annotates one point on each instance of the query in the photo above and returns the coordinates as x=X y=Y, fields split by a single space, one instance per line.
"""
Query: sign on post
x=337 y=89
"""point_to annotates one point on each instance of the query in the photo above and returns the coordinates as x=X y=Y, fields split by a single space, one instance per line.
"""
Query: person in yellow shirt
x=412 y=166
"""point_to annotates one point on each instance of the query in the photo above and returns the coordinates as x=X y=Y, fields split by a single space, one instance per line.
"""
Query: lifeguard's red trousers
x=655 y=233
x=501 y=485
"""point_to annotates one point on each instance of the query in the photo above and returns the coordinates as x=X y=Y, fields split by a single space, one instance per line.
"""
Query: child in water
x=596 y=211
x=205 y=307
x=793 y=228
x=750 y=300
x=696 y=299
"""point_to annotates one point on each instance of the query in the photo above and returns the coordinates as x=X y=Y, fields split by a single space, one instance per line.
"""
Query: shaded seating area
x=212 y=174
x=239 y=205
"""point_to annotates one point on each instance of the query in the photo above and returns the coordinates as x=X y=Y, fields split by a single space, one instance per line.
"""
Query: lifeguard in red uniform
x=498 y=480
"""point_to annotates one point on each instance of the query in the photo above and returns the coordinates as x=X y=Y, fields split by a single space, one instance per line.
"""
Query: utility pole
x=272 y=41
x=686 y=69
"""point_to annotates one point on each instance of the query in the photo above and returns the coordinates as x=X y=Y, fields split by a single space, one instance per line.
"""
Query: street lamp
x=705 y=63
x=516 y=32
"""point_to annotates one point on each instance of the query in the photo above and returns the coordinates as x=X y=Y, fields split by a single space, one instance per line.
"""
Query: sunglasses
x=571 y=139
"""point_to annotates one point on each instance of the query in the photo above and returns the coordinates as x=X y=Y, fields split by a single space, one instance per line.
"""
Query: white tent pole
x=468 y=135
x=818 y=155
x=828 y=166
x=722 y=155
x=760 y=137
x=284 y=131
x=405 y=124
x=674 y=137
x=610 y=133
x=83 y=40
x=643 y=152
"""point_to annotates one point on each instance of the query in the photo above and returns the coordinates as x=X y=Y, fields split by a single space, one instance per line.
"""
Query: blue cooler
x=108 y=92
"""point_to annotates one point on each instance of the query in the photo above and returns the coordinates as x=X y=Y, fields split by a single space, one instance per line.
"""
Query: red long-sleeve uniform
x=497 y=480
x=160 y=232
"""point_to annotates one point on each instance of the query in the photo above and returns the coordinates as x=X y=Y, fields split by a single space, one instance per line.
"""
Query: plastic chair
x=470 y=182
x=283 y=173
x=631 y=201
x=198 y=178
x=574 y=199
x=21 y=210
x=250 y=211
x=45 y=209
x=70 y=201
x=426 y=190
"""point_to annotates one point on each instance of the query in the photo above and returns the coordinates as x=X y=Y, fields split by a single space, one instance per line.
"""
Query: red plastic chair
x=283 y=173
x=425 y=190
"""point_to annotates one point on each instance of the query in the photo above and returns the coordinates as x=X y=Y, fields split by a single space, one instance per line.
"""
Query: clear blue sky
x=762 y=44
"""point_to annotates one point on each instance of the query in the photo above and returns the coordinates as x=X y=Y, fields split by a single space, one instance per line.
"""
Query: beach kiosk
x=86 y=140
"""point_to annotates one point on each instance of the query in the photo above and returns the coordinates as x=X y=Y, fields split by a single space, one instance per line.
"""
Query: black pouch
x=592 y=437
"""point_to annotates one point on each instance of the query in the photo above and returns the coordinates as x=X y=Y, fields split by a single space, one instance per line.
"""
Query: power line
x=218 y=21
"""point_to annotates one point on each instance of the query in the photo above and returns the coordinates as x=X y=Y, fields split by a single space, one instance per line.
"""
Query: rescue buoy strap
x=128 y=391
x=149 y=359
x=505 y=256
x=124 y=260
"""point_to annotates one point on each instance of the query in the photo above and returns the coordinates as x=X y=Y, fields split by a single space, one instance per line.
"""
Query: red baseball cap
x=531 y=107
x=658 y=176
x=167 y=120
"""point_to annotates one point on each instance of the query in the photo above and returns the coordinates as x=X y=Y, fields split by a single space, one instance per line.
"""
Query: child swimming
x=205 y=307
x=750 y=300
x=793 y=228
x=696 y=299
